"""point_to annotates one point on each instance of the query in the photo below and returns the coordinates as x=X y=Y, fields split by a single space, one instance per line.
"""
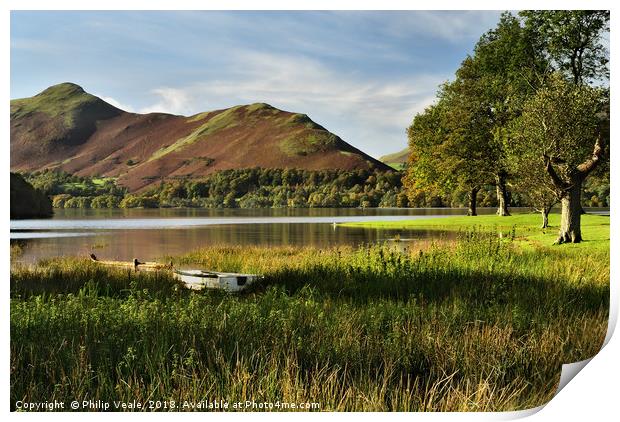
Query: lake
x=149 y=234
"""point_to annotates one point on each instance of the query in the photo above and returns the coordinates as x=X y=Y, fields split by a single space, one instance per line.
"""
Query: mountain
x=66 y=128
x=26 y=201
x=397 y=159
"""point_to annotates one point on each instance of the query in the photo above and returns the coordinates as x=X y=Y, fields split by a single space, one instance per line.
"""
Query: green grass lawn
x=526 y=227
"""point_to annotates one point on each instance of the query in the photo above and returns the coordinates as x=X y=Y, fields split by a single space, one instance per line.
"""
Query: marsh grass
x=479 y=324
x=16 y=251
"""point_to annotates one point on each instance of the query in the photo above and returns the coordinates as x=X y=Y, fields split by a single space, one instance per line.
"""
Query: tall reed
x=478 y=324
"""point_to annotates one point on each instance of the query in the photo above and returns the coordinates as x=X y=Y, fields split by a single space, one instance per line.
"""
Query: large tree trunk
x=472 y=201
x=502 y=194
x=570 y=226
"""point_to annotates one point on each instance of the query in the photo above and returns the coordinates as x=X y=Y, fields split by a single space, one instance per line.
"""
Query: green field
x=524 y=227
x=481 y=323
x=84 y=185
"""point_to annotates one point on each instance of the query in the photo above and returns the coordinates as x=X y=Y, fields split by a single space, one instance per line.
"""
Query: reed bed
x=480 y=324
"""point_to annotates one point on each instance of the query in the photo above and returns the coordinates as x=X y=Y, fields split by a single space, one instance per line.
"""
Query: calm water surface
x=149 y=234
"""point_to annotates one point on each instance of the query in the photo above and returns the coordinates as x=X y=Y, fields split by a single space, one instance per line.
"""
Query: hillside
x=27 y=202
x=66 y=128
x=397 y=159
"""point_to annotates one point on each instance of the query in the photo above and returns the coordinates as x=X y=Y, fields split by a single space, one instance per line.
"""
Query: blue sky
x=362 y=75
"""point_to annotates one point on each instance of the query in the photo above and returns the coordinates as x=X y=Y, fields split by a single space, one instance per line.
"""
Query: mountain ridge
x=66 y=128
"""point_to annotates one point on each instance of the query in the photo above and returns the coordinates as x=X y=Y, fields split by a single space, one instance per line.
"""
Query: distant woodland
x=274 y=188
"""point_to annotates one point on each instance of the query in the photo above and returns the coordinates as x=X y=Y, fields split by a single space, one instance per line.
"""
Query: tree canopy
x=524 y=110
x=574 y=41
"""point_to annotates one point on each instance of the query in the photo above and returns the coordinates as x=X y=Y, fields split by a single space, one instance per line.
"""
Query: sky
x=361 y=75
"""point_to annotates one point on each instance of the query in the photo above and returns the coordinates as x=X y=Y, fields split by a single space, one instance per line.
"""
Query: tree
x=564 y=128
x=26 y=201
x=571 y=43
x=487 y=94
x=508 y=70
x=449 y=142
x=513 y=70
x=571 y=40
x=469 y=155
x=534 y=183
x=423 y=176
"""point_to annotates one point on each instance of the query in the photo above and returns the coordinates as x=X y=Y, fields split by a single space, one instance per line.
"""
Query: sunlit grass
x=479 y=324
x=526 y=228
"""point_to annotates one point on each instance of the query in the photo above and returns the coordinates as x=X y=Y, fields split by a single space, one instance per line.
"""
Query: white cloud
x=370 y=114
x=172 y=100
x=452 y=26
x=115 y=103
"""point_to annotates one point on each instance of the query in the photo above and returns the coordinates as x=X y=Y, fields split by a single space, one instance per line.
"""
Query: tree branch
x=557 y=182
x=586 y=167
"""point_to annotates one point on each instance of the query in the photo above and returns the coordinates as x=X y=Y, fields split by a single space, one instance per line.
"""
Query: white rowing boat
x=230 y=282
x=192 y=279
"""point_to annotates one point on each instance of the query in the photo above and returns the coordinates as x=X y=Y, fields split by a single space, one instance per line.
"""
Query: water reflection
x=153 y=244
x=152 y=234
x=27 y=234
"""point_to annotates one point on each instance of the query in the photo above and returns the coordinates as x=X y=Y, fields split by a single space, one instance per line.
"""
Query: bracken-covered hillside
x=66 y=128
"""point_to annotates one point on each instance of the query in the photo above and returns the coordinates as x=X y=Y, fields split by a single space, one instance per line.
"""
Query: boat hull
x=230 y=282
x=192 y=279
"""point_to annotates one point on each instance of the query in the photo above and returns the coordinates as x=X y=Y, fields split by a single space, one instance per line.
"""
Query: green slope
x=62 y=114
x=397 y=159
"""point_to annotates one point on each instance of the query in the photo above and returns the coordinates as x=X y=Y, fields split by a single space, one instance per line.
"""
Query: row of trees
x=278 y=188
x=242 y=188
x=271 y=188
x=529 y=109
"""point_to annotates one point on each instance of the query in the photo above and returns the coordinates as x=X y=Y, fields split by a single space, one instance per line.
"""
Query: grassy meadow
x=524 y=228
x=479 y=324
